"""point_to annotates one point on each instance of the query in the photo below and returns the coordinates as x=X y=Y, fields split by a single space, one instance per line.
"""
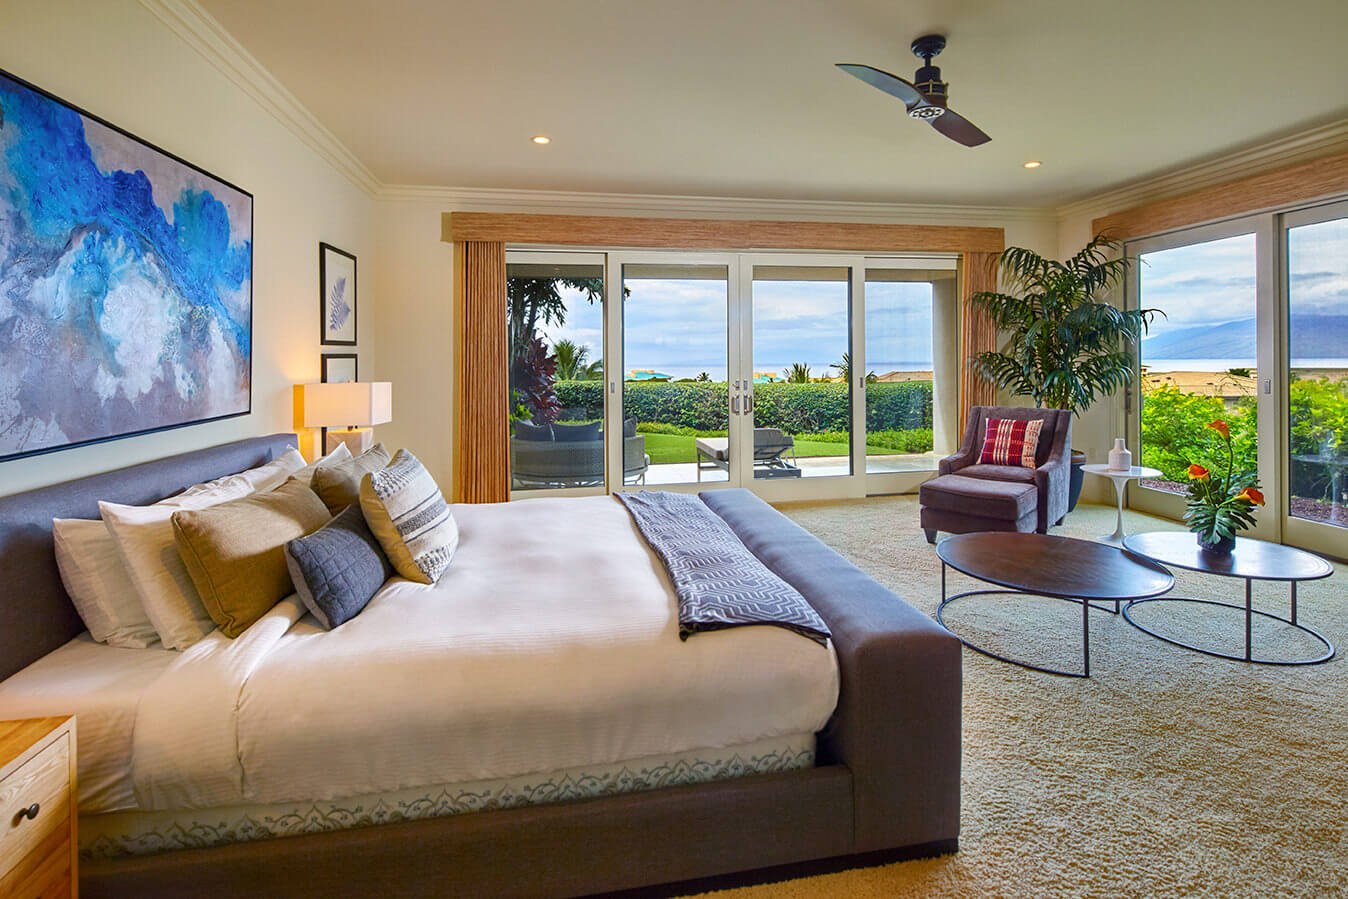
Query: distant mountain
x=1313 y=337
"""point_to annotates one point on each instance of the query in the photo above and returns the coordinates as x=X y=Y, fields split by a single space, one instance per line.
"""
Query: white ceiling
x=739 y=98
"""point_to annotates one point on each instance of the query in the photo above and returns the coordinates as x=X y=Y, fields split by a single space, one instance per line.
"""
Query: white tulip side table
x=1120 y=477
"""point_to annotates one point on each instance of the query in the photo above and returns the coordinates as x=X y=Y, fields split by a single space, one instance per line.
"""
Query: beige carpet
x=1167 y=773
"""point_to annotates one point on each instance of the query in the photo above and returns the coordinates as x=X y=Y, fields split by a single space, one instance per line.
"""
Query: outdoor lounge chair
x=771 y=449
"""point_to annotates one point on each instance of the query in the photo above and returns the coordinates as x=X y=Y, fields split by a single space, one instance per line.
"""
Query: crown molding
x=203 y=33
x=477 y=199
x=1299 y=147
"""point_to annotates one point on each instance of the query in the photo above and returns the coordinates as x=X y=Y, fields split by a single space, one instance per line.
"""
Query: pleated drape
x=978 y=272
x=481 y=373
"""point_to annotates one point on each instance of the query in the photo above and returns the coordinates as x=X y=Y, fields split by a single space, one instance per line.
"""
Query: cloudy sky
x=1211 y=283
x=679 y=326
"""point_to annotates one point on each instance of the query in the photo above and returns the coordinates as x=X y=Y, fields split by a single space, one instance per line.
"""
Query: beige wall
x=115 y=59
x=415 y=287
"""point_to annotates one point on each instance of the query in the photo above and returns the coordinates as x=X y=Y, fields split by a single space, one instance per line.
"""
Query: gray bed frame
x=886 y=784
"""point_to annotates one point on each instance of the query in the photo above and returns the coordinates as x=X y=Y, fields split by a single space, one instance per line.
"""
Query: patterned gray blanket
x=718 y=581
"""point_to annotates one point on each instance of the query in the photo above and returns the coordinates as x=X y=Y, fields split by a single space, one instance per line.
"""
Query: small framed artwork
x=336 y=296
x=340 y=368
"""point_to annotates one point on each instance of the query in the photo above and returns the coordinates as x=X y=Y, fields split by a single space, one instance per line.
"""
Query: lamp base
x=357 y=440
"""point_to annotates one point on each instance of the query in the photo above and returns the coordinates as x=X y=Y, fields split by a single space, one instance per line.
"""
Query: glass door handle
x=749 y=404
x=735 y=404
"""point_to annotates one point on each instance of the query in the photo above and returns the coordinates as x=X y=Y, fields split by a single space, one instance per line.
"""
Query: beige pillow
x=338 y=485
x=144 y=536
x=409 y=517
x=235 y=551
x=96 y=579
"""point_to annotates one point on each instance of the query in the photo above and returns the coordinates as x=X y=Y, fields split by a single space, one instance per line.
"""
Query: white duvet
x=550 y=643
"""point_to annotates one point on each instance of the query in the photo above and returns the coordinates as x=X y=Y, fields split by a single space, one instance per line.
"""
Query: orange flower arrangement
x=1220 y=504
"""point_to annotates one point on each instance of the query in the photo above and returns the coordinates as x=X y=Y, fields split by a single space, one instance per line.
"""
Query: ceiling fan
x=926 y=95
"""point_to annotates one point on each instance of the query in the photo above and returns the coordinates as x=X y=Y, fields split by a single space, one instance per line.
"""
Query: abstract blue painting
x=126 y=290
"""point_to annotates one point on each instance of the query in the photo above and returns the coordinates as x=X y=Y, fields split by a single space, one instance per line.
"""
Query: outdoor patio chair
x=774 y=454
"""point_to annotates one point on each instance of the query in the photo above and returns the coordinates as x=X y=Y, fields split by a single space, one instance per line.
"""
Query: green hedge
x=795 y=408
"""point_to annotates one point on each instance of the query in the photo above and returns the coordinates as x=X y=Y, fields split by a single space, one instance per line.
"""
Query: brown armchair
x=1050 y=478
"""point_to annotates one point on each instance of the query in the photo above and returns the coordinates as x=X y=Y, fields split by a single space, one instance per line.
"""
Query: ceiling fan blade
x=958 y=128
x=890 y=84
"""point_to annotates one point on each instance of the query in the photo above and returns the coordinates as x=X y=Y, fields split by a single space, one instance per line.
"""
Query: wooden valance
x=1299 y=183
x=609 y=231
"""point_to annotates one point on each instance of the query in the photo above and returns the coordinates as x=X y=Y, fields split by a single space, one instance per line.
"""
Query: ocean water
x=1162 y=365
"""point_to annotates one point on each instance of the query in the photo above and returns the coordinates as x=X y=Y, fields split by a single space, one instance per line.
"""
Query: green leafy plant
x=845 y=369
x=1066 y=346
x=573 y=362
x=1219 y=505
x=798 y=373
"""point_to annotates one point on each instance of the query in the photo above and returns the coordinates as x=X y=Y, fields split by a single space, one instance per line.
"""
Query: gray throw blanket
x=718 y=581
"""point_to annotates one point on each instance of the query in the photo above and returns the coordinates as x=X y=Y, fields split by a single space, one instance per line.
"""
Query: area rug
x=1167 y=773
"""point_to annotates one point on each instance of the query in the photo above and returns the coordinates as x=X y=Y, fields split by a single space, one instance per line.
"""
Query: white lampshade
x=356 y=404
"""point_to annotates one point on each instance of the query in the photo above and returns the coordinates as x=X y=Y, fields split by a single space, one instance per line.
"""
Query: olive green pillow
x=338 y=485
x=235 y=552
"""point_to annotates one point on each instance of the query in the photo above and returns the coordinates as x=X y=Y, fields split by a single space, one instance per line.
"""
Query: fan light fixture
x=925 y=98
x=1033 y=164
x=541 y=139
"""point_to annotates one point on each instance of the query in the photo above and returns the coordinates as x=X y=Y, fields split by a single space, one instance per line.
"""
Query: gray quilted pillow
x=338 y=568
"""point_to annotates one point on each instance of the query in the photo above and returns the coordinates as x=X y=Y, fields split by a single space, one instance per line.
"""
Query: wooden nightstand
x=38 y=851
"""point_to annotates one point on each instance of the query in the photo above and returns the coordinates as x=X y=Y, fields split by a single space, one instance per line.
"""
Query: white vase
x=1120 y=459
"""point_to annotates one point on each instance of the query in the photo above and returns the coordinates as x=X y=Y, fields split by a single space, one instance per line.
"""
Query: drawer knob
x=30 y=813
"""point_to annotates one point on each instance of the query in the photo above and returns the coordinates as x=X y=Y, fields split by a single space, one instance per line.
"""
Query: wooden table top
x=1054 y=566
x=1254 y=559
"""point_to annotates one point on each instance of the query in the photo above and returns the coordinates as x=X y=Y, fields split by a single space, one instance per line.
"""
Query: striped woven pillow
x=1011 y=442
x=409 y=517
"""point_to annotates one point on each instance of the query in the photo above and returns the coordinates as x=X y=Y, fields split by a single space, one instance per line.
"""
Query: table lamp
x=348 y=411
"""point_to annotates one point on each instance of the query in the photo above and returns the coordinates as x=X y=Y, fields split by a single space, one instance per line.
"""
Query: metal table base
x=1250 y=612
x=1086 y=607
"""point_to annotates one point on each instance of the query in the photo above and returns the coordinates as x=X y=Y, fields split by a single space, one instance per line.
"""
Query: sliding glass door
x=555 y=333
x=673 y=328
x=689 y=371
x=1254 y=332
x=1316 y=476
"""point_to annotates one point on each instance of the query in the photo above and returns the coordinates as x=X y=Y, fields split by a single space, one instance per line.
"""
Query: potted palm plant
x=1066 y=346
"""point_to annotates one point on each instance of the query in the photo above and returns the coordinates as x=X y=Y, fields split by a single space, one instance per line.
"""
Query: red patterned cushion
x=1010 y=442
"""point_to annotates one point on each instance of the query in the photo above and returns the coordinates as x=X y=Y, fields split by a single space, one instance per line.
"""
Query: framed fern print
x=336 y=296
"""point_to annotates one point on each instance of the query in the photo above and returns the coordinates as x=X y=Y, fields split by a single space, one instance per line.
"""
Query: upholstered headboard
x=36 y=615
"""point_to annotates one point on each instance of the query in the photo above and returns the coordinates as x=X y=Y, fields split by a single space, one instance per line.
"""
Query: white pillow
x=96 y=579
x=268 y=477
x=340 y=454
x=144 y=537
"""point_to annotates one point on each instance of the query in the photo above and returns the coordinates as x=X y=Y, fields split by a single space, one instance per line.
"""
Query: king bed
x=531 y=724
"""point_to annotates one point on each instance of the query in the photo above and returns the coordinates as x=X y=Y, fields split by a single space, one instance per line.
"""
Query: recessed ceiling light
x=1032 y=164
x=542 y=139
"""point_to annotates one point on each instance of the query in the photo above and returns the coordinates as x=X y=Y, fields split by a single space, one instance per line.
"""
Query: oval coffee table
x=1055 y=567
x=1252 y=560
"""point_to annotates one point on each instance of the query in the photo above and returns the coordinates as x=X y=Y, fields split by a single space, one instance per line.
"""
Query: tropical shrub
x=795 y=408
x=1173 y=424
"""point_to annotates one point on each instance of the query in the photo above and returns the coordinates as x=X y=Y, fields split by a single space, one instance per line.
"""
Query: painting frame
x=326 y=377
x=338 y=271
x=247 y=372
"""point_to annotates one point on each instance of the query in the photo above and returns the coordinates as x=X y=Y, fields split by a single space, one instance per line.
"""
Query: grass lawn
x=665 y=449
